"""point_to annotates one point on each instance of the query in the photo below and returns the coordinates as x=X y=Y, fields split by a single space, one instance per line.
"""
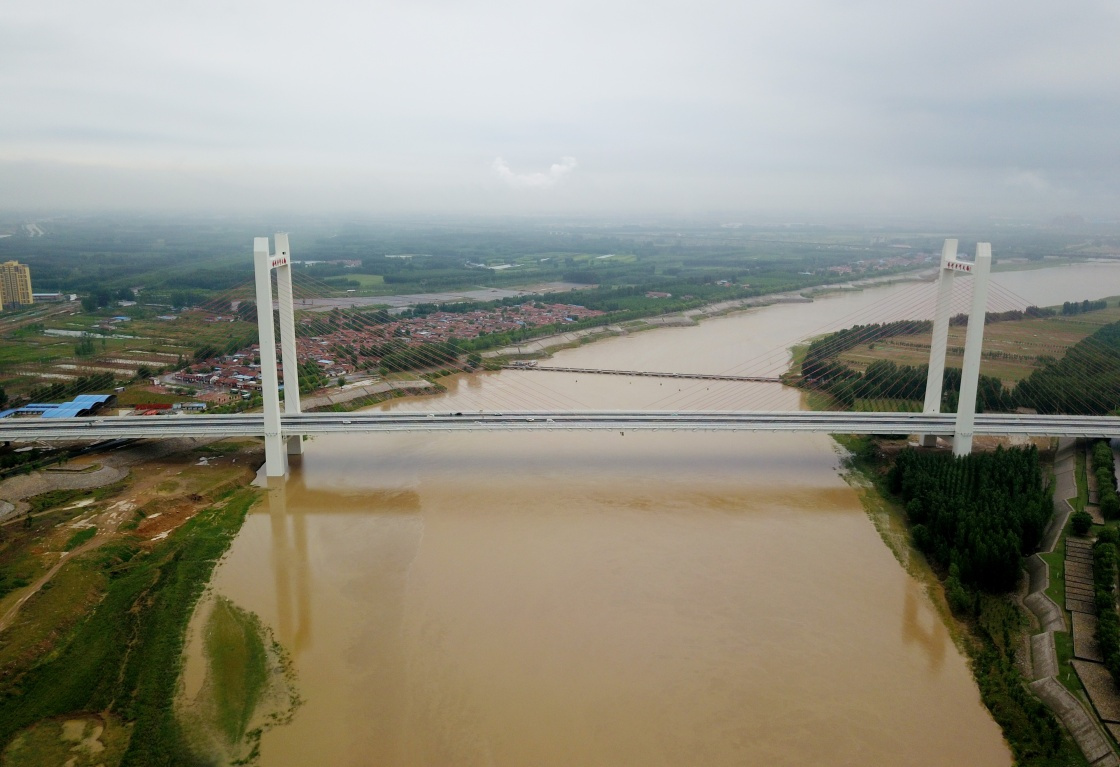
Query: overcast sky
x=775 y=107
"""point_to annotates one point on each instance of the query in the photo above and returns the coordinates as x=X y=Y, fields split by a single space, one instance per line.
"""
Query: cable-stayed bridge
x=283 y=427
x=315 y=424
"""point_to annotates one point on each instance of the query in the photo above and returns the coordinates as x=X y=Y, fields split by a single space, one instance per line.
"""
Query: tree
x=1110 y=505
x=84 y=347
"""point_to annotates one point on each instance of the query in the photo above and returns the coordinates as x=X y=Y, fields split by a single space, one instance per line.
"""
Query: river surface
x=667 y=598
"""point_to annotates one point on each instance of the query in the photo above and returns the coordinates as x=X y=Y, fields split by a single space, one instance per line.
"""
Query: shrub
x=1080 y=523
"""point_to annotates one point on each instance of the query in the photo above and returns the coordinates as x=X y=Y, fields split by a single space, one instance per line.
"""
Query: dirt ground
x=165 y=483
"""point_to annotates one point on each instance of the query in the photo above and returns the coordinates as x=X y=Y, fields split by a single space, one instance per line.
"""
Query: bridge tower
x=980 y=269
x=264 y=263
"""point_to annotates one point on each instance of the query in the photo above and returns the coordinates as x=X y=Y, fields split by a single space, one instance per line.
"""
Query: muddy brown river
x=667 y=598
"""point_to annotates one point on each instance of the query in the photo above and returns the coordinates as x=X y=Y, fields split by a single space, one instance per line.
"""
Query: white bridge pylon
x=264 y=263
x=980 y=269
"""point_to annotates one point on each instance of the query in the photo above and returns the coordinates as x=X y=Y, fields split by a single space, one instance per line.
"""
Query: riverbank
x=547 y=345
x=99 y=626
x=991 y=639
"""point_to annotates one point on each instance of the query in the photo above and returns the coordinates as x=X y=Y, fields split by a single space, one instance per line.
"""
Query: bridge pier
x=275 y=454
x=974 y=340
x=285 y=306
x=980 y=269
x=940 y=338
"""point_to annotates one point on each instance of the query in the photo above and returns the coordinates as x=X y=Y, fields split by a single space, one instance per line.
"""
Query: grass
x=797 y=359
x=1056 y=561
x=1056 y=590
x=366 y=280
x=46 y=618
x=87 y=469
x=219 y=448
x=55 y=498
x=885 y=405
x=816 y=399
x=18 y=566
x=133 y=396
x=1063 y=642
x=80 y=537
x=1082 y=500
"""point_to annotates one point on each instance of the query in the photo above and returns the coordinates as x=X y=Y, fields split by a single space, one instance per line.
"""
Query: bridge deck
x=252 y=424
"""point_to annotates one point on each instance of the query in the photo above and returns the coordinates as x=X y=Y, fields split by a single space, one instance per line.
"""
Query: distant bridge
x=646 y=373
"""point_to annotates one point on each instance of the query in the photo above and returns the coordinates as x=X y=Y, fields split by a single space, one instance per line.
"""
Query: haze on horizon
x=774 y=107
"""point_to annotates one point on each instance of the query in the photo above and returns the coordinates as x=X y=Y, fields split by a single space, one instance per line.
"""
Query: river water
x=668 y=598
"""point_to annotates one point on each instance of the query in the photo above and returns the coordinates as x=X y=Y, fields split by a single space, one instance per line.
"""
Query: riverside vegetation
x=975 y=518
x=89 y=673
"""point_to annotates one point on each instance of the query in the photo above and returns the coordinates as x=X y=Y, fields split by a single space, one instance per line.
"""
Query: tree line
x=883 y=379
x=1073 y=307
x=1085 y=381
x=1104 y=596
x=1104 y=469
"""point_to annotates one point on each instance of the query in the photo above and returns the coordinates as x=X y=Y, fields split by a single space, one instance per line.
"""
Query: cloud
x=1030 y=180
x=554 y=174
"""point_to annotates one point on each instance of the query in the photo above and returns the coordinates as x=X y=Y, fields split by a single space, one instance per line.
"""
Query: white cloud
x=1025 y=179
x=539 y=180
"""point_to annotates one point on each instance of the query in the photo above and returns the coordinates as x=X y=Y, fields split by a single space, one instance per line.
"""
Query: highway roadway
x=312 y=424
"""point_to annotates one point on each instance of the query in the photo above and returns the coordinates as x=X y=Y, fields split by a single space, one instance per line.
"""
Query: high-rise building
x=15 y=284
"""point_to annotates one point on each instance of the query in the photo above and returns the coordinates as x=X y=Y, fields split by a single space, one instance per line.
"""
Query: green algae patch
x=236 y=657
x=247 y=686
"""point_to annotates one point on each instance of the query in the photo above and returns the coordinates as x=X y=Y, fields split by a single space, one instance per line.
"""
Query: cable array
x=906 y=311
